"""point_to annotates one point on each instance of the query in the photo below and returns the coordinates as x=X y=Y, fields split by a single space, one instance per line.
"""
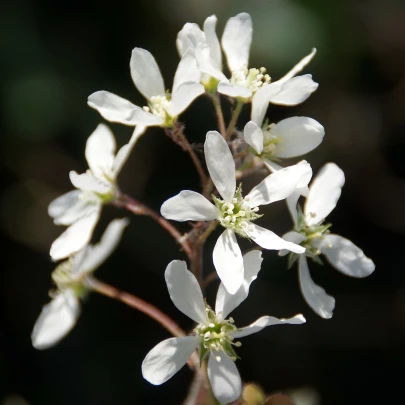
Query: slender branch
x=138 y=208
x=218 y=111
x=208 y=232
x=234 y=119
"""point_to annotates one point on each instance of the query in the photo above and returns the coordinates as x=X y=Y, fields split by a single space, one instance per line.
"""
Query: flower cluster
x=230 y=155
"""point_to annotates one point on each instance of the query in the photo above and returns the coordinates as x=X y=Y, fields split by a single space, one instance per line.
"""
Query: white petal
x=299 y=66
x=67 y=208
x=189 y=36
x=299 y=135
x=273 y=167
x=293 y=237
x=225 y=302
x=206 y=63
x=187 y=70
x=185 y=292
x=253 y=135
x=100 y=150
x=228 y=261
x=167 y=358
x=346 y=257
x=315 y=296
x=98 y=254
x=189 y=206
x=138 y=131
x=280 y=184
x=233 y=90
x=88 y=182
x=76 y=236
x=236 y=41
x=212 y=40
x=121 y=158
x=294 y=91
x=269 y=240
x=261 y=99
x=292 y=201
x=56 y=320
x=141 y=117
x=184 y=95
x=224 y=377
x=324 y=193
x=265 y=321
x=112 y=107
x=220 y=164
x=146 y=74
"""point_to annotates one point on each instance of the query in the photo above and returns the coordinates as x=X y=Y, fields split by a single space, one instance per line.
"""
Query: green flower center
x=64 y=277
x=270 y=142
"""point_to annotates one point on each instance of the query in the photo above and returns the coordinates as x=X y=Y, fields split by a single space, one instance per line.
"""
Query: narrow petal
x=189 y=206
x=146 y=74
x=265 y=321
x=220 y=164
x=324 y=193
x=261 y=99
x=280 y=184
x=138 y=131
x=185 y=292
x=273 y=167
x=141 y=117
x=293 y=237
x=253 y=136
x=225 y=302
x=269 y=240
x=228 y=261
x=56 y=320
x=100 y=151
x=187 y=70
x=88 y=182
x=111 y=107
x=212 y=40
x=99 y=253
x=184 y=95
x=299 y=66
x=189 y=36
x=236 y=41
x=224 y=377
x=121 y=158
x=76 y=236
x=67 y=208
x=346 y=257
x=315 y=296
x=298 y=136
x=292 y=201
x=233 y=90
x=167 y=358
x=206 y=63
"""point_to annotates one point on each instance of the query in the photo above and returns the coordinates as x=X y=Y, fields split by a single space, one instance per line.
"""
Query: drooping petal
x=299 y=66
x=298 y=136
x=185 y=292
x=236 y=41
x=145 y=74
x=224 y=377
x=67 y=208
x=167 y=358
x=315 y=296
x=189 y=206
x=269 y=240
x=112 y=107
x=76 y=236
x=280 y=184
x=225 y=302
x=88 y=182
x=253 y=136
x=184 y=95
x=228 y=261
x=346 y=257
x=56 y=320
x=98 y=254
x=324 y=193
x=220 y=164
x=265 y=321
x=233 y=90
x=187 y=70
x=293 y=237
x=212 y=40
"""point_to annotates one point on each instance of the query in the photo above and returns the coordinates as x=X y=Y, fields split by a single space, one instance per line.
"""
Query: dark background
x=54 y=54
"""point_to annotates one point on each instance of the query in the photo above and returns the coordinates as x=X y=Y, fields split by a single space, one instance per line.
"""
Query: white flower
x=80 y=209
x=214 y=335
x=234 y=212
x=59 y=316
x=163 y=107
x=312 y=233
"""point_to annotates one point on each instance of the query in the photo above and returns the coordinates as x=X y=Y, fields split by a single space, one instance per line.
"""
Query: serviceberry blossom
x=80 y=209
x=163 y=106
x=215 y=334
x=235 y=212
x=59 y=316
x=312 y=233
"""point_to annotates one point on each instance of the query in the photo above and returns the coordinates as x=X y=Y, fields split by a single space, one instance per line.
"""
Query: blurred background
x=55 y=54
